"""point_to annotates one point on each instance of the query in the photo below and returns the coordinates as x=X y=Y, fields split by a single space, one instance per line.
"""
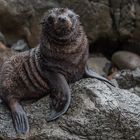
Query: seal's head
x=59 y=22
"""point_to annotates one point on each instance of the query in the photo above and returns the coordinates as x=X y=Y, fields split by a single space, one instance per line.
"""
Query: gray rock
x=21 y=18
x=129 y=79
x=126 y=60
x=20 y=46
x=100 y=64
x=97 y=111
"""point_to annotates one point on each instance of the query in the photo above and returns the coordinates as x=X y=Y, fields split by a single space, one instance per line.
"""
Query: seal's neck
x=67 y=59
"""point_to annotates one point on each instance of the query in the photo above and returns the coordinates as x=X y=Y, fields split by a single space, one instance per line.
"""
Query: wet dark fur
x=24 y=76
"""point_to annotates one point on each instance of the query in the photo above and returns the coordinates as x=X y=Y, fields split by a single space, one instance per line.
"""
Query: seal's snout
x=62 y=19
x=60 y=22
x=64 y=22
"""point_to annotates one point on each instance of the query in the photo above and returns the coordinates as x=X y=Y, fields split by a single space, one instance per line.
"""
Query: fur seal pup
x=59 y=59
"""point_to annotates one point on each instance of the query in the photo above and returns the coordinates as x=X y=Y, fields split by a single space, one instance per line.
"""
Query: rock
x=5 y=53
x=131 y=45
x=114 y=22
x=126 y=60
x=136 y=90
x=97 y=111
x=105 y=19
x=100 y=64
x=20 y=46
x=21 y=18
x=129 y=79
x=94 y=15
x=2 y=38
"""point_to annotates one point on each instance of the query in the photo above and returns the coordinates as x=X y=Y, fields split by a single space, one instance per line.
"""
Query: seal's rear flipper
x=90 y=73
x=60 y=96
x=20 y=119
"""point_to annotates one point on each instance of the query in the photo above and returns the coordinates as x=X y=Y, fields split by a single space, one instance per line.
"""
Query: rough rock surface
x=116 y=21
x=130 y=80
x=98 y=111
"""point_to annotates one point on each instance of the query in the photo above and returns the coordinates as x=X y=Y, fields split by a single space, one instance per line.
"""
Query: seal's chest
x=74 y=73
x=75 y=76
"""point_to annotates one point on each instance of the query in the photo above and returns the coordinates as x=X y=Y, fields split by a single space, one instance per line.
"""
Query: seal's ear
x=63 y=9
x=74 y=13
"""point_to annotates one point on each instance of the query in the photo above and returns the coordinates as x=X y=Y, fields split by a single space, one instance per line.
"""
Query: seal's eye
x=50 y=19
x=70 y=15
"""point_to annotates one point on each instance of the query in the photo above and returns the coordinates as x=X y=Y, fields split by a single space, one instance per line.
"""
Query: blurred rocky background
x=113 y=30
x=111 y=26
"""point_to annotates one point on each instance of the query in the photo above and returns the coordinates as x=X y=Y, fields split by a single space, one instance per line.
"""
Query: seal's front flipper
x=20 y=119
x=90 y=73
x=59 y=104
x=60 y=95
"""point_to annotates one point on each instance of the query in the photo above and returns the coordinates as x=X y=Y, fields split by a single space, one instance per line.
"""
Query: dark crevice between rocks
x=108 y=45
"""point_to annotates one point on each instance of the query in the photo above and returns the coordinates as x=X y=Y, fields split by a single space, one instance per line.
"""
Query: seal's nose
x=62 y=19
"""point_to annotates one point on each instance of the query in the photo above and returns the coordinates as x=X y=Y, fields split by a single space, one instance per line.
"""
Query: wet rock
x=97 y=111
x=126 y=60
x=100 y=64
x=20 y=46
